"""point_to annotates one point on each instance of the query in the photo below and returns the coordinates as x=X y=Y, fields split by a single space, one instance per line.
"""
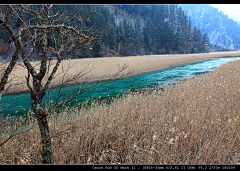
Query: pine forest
x=135 y=30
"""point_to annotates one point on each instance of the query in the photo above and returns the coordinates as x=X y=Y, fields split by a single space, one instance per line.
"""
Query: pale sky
x=230 y=9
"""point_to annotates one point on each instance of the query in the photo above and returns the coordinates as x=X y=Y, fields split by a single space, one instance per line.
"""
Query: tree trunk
x=40 y=113
x=47 y=156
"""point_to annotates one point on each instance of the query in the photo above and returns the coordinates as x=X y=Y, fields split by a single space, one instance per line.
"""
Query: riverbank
x=195 y=121
x=101 y=69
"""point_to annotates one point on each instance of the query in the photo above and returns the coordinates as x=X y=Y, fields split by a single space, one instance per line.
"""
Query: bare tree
x=40 y=27
x=6 y=20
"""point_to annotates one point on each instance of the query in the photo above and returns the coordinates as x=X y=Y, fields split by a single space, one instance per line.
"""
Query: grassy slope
x=196 y=121
x=103 y=68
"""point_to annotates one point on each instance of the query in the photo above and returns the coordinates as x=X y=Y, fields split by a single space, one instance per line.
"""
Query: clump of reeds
x=195 y=121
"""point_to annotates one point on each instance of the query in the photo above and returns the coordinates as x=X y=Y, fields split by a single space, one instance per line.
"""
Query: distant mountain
x=223 y=32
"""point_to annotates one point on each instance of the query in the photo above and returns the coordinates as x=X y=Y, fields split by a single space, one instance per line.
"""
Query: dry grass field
x=195 y=121
x=104 y=68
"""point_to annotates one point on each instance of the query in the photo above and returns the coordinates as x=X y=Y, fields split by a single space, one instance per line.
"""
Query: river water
x=114 y=89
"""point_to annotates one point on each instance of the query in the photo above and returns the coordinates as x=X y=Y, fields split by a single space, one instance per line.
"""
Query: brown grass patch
x=195 y=121
x=104 y=68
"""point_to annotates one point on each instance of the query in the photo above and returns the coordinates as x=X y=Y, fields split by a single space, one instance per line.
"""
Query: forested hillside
x=158 y=29
x=222 y=31
x=138 y=30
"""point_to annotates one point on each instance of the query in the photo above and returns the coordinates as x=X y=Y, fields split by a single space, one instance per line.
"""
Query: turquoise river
x=113 y=89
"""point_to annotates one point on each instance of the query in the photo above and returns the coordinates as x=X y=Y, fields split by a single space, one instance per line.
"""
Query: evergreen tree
x=137 y=34
x=146 y=39
x=177 y=41
x=205 y=41
x=112 y=37
x=97 y=49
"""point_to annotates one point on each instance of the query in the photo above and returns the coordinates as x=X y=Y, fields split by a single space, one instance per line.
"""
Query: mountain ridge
x=220 y=29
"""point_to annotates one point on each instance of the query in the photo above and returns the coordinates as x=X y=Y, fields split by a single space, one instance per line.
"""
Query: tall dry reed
x=196 y=121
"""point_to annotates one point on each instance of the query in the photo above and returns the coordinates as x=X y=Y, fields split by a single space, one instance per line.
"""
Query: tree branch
x=43 y=67
x=51 y=77
x=113 y=78
x=29 y=66
x=56 y=27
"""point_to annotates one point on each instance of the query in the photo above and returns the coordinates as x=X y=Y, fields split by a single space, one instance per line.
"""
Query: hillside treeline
x=136 y=30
